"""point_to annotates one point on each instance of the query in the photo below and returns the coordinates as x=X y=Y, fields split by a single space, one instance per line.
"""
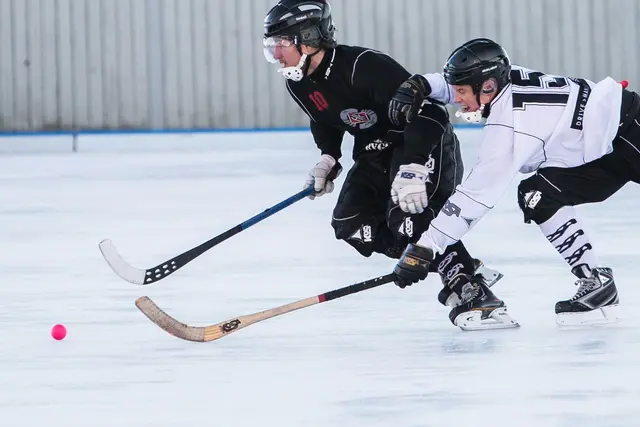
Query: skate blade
x=599 y=317
x=473 y=321
x=491 y=277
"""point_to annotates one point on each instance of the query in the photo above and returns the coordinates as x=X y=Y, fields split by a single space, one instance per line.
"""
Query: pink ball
x=624 y=84
x=58 y=332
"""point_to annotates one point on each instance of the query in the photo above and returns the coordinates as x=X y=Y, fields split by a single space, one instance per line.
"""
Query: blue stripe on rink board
x=10 y=134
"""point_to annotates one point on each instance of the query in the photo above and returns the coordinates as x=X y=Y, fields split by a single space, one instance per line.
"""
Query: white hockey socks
x=567 y=234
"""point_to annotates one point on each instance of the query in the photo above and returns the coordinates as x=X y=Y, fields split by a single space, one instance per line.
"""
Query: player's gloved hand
x=413 y=265
x=409 y=188
x=408 y=99
x=321 y=176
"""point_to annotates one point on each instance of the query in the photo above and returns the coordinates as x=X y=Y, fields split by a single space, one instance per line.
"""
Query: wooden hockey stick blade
x=222 y=329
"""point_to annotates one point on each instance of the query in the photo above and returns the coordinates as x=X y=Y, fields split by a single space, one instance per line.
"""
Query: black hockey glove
x=408 y=99
x=413 y=265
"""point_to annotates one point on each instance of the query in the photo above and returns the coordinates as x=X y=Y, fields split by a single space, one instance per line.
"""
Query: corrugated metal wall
x=198 y=63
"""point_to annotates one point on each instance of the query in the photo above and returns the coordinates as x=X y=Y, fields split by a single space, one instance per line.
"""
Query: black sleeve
x=379 y=75
x=328 y=139
x=428 y=130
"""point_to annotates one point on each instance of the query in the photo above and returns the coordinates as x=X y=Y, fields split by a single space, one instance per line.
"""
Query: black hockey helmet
x=475 y=62
x=304 y=21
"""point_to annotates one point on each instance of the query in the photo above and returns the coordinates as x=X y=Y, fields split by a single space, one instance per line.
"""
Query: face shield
x=273 y=47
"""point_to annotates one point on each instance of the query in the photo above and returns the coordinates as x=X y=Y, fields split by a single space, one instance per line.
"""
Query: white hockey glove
x=321 y=176
x=409 y=188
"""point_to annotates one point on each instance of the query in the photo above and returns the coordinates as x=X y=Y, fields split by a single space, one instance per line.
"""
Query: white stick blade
x=119 y=265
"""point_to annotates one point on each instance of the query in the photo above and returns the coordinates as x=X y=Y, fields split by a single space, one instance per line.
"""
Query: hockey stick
x=222 y=329
x=160 y=271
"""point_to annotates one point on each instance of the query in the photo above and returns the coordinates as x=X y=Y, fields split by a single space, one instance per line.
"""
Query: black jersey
x=350 y=92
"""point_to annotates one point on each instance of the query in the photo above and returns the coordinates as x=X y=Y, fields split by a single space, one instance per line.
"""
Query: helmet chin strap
x=471 y=116
x=297 y=72
x=475 y=116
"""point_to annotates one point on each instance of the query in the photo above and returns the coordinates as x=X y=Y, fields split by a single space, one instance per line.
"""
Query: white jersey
x=536 y=121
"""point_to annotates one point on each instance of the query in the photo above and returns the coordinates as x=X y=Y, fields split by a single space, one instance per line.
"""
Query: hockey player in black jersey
x=348 y=89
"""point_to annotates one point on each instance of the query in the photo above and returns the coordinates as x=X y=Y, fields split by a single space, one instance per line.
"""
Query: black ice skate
x=475 y=307
x=595 y=302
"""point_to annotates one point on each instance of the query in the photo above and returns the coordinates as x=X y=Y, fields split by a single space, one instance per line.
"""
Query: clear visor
x=273 y=45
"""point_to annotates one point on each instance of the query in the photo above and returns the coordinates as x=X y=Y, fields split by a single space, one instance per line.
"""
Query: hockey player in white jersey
x=582 y=140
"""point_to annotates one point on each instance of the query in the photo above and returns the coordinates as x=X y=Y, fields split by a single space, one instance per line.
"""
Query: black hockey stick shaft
x=188 y=256
x=357 y=287
x=160 y=271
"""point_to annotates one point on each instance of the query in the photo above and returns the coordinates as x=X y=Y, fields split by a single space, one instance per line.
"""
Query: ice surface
x=384 y=357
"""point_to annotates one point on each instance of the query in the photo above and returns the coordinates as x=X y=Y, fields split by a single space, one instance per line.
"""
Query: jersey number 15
x=537 y=79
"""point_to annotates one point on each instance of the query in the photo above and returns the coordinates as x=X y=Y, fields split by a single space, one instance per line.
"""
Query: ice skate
x=475 y=307
x=595 y=302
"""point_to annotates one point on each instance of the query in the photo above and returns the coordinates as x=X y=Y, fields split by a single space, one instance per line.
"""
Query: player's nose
x=277 y=52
